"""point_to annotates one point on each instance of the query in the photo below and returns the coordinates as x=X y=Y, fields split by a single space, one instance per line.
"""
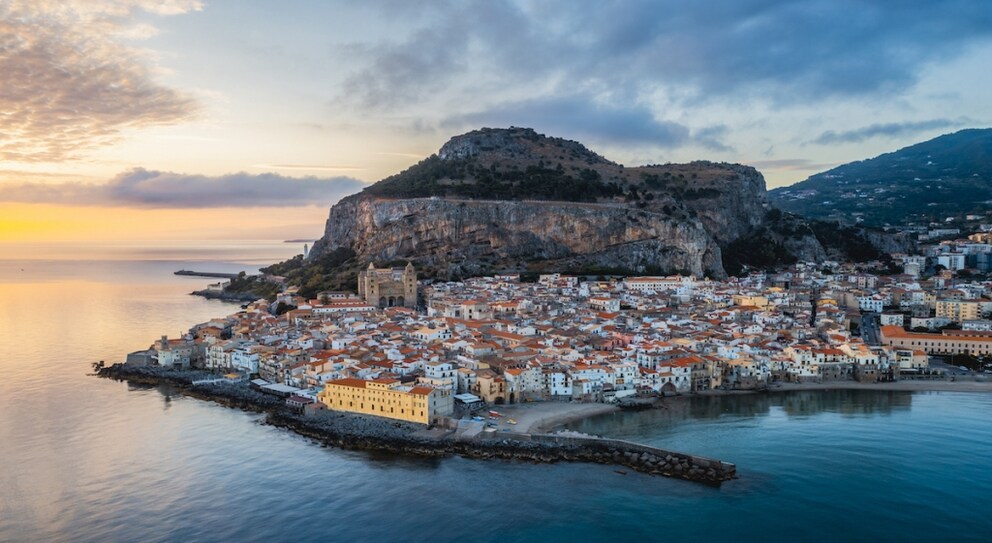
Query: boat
x=636 y=402
x=494 y=414
x=511 y=421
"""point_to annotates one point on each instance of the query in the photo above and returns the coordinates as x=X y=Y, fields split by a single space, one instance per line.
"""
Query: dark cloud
x=778 y=50
x=71 y=85
x=888 y=130
x=417 y=65
x=154 y=189
x=577 y=117
x=711 y=137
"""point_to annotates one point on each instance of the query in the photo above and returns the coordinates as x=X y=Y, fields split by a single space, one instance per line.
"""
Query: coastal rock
x=469 y=237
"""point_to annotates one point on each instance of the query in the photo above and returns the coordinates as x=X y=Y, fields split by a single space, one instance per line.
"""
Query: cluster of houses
x=499 y=340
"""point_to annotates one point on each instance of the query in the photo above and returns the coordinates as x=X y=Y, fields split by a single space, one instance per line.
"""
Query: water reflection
x=795 y=404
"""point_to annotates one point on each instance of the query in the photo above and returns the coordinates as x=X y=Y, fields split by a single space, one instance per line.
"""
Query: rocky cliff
x=496 y=200
x=455 y=237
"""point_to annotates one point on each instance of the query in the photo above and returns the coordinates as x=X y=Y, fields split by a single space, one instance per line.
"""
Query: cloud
x=779 y=51
x=791 y=164
x=579 y=117
x=711 y=137
x=155 y=189
x=72 y=84
x=309 y=167
x=888 y=130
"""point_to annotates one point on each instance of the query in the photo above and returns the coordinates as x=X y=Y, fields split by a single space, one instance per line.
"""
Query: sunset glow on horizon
x=157 y=119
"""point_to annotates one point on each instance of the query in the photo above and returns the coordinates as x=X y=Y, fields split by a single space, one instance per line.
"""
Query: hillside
x=513 y=200
x=520 y=164
x=948 y=176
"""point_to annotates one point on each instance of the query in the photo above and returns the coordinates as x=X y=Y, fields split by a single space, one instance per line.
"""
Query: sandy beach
x=540 y=417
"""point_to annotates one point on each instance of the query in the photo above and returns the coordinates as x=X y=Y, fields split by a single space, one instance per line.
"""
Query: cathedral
x=388 y=287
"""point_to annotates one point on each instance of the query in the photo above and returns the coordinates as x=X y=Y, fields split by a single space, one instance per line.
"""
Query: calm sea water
x=85 y=459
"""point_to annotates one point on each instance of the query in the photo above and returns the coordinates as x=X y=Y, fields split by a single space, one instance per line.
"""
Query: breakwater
x=216 y=275
x=360 y=432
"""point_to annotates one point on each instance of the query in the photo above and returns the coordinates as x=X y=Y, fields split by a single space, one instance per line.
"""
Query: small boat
x=494 y=414
x=620 y=471
x=511 y=421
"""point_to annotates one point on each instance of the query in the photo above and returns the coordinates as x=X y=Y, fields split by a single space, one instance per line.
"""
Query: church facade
x=388 y=287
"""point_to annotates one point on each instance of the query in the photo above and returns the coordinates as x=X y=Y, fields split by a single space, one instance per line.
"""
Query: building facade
x=388 y=287
x=387 y=398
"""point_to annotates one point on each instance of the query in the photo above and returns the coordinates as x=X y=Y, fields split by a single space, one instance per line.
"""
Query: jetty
x=217 y=275
x=365 y=432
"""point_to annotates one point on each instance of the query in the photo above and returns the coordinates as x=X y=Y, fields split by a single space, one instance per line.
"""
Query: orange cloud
x=70 y=82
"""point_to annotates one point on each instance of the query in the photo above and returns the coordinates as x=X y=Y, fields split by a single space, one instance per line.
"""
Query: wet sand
x=540 y=417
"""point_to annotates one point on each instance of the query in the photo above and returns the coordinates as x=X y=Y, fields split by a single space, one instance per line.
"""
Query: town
x=420 y=352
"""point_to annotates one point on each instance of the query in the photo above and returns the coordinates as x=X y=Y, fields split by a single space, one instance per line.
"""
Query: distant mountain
x=948 y=176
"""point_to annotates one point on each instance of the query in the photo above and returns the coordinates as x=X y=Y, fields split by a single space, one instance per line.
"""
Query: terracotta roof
x=349 y=382
x=421 y=390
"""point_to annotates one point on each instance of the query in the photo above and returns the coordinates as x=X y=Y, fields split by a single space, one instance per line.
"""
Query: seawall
x=359 y=432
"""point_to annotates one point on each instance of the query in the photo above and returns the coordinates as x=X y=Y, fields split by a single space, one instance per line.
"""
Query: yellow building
x=744 y=299
x=959 y=310
x=387 y=398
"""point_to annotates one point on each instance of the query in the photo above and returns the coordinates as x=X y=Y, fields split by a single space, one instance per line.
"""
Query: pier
x=216 y=275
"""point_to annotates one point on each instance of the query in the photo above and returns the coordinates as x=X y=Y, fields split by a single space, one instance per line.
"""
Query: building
x=892 y=319
x=959 y=342
x=610 y=305
x=958 y=310
x=173 y=352
x=387 y=398
x=977 y=325
x=388 y=287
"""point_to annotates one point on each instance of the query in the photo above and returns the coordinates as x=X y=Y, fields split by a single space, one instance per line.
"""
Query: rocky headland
x=512 y=200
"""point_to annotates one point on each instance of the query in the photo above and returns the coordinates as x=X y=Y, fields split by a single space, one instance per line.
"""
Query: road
x=947 y=365
x=870 y=329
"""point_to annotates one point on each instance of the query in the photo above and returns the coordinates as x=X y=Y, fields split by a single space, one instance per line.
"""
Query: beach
x=541 y=417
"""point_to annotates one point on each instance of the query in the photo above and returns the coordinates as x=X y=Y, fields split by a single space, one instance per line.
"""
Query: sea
x=86 y=459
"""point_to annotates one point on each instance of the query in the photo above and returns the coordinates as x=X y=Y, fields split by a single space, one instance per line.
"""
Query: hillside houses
x=562 y=338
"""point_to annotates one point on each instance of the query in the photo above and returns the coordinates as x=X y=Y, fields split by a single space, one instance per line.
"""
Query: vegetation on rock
x=948 y=176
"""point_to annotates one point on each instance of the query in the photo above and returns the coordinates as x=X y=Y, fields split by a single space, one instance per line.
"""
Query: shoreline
x=903 y=386
x=899 y=386
x=362 y=432
x=543 y=417
x=224 y=296
x=552 y=416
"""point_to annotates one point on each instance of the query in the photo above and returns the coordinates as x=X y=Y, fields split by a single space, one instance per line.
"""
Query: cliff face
x=729 y=199
x=453 y=237
x=495 y=200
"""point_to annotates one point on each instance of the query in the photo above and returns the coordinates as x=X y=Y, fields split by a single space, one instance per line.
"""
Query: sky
x=244 y=119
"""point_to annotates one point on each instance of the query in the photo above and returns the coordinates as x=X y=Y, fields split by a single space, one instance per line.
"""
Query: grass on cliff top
x=335 y=270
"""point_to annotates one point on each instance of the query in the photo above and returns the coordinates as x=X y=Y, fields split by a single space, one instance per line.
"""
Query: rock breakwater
x=359 y=432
